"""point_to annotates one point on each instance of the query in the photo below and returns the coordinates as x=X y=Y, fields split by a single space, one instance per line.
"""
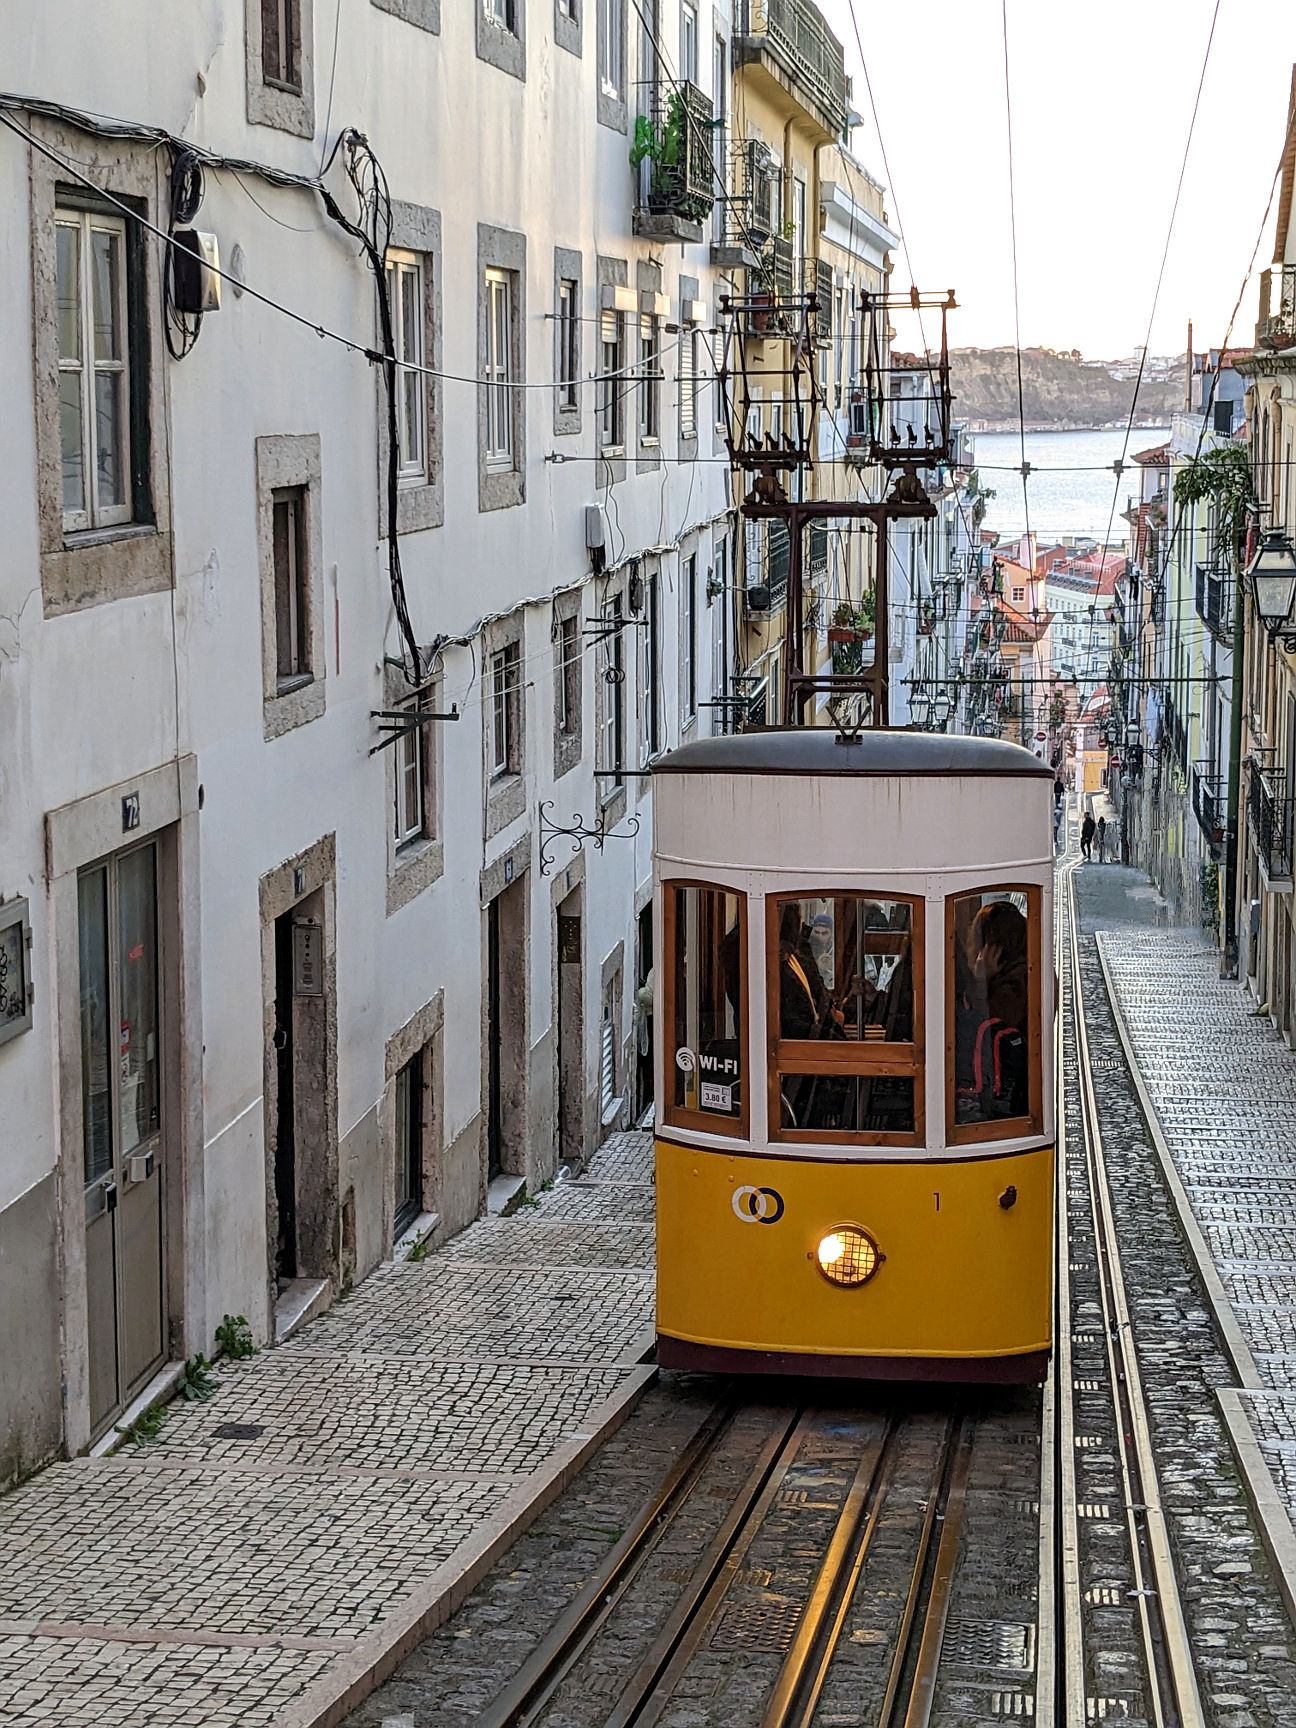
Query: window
x=281 y=42
x=291 y=587
x=568 y=343
x=506 y=696
x=94 y=369
x=688 y=605
x=650 y=681
x=611 y=48
x=612 y=743
x=1018 y=594
x=569 y=677
x=844 y=1004
x=993 y=990
x=612 y=385
x=688 y=384
x=689 y=42
x=567 y=9
x=705 y=990
x=649 y=381
x=412 y=785
x=501 y=13
x=499 y=370
x=405 y=296
x=409 y=1143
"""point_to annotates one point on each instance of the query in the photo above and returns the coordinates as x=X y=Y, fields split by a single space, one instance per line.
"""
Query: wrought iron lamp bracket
x=578 y=833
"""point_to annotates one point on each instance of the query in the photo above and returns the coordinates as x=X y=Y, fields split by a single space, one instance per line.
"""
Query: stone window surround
x=505 y=794
x=568 y=267
x=568 y=747
x=612 y=273
x=421 y=1035
x=420 y=863
x=290 y=460
x=76 y=835
x=690 y=548
x=91 y=568
x=613 y=111
x=267 y=106
x=505 y=49
x=568 y=30
x=502 y=249
x=419 y=505
x=422 y=14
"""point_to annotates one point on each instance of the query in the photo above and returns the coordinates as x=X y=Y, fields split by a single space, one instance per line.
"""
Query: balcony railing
x=1210 y=801
x=794 y=33
x=1269 y=809
x=1277 y=323
x=678 y=172
x=1215 y=600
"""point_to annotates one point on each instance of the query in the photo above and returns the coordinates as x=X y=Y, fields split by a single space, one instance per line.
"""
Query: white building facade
x=294 y=991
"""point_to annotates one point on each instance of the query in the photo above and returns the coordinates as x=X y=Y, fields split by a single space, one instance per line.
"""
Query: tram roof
x=817 y=750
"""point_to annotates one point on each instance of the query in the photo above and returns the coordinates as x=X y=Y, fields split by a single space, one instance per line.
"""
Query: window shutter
x=293 y=57
x=607 y=1070
x=272 y=65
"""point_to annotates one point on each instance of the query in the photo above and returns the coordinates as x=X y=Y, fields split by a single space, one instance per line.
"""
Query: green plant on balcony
x=851 y=628
x=666 y=143
x=1224 y=477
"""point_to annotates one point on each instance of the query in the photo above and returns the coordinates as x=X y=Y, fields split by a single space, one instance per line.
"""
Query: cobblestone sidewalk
x=339 y=1493
x=1223 y=1084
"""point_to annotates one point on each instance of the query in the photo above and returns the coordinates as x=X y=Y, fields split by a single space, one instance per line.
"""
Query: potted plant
x=851 y=628
x=666 y=144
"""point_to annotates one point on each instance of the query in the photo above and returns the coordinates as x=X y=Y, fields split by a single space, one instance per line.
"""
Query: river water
x=1071 y=482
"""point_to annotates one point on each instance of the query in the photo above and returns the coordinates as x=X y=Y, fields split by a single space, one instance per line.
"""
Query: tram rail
x=905 y=1699
x=1085 y=1199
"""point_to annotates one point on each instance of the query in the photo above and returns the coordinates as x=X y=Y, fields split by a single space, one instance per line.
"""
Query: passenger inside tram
x=991 y=1059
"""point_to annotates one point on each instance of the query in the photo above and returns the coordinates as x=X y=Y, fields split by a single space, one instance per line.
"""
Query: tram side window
x=705 y=1059
x=994 y=997
x=842 y=997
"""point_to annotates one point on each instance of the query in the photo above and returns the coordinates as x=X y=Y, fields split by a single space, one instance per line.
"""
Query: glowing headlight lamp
x=848 y=1256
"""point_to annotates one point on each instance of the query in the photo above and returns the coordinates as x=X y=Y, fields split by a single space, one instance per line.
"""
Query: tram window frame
x=676 y=1115
x=1005 y=1127
x=852 y=1058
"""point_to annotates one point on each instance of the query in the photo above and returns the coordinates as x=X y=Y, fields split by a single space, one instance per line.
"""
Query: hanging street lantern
x=920 y=704
x=1272 y=573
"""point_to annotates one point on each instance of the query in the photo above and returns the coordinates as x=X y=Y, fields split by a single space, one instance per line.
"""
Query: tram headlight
x=848 y=1256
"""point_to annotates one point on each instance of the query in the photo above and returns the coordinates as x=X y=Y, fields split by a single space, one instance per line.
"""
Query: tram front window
x=705 y=1058
x=845 y=969
x=842 y=996
x=993 y=994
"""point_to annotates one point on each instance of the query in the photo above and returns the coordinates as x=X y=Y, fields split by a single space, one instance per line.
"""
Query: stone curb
x=1235 y=1345
x=1275 y=1525
x=372 y=1658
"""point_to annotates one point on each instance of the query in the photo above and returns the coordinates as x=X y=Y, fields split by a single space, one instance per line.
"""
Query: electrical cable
x=1012 y=210
x=186 y=187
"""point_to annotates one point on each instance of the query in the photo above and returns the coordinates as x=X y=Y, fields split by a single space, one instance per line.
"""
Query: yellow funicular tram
x=854 y=1056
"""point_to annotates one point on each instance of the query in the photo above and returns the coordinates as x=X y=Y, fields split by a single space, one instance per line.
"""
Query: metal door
x=121 y=1081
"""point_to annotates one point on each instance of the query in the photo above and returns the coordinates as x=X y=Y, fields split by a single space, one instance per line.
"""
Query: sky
x=1102 y=100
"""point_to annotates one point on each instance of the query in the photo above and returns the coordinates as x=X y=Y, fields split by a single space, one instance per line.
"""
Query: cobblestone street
x=286 y=1533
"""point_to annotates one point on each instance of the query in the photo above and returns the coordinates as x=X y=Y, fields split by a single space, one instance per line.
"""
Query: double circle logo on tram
x=758 y=1205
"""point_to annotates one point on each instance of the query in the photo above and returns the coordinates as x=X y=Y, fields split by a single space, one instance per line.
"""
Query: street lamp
x=1273 y=580
x=942 y=708
x=920 y=705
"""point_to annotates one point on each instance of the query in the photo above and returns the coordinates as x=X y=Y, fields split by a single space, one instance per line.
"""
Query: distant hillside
x=1060 y=392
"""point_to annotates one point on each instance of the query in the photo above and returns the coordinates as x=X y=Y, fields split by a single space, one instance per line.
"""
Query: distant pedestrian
x=1059 y=792
x=1087 y=832
x=1102 y=839
x=1057 y=824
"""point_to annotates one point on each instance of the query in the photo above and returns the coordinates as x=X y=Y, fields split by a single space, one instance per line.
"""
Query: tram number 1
x=938 y=1202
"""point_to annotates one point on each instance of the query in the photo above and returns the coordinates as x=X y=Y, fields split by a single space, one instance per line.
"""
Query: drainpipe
x=1238 y=681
